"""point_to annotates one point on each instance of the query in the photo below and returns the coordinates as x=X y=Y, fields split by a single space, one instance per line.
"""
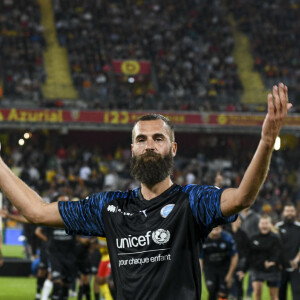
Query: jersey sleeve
x=205 y=206
x=84 y=217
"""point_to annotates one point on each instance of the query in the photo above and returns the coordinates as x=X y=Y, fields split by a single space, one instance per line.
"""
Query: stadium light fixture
x=21 y=142
x=277 y=144
x=131 y=79
x=27 y=135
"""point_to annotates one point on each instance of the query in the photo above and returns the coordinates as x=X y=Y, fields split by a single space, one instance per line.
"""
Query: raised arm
x=27 y=201
x=234 y=200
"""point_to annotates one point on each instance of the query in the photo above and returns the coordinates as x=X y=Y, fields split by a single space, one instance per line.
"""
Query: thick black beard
x=289 y=220
x=151 y=168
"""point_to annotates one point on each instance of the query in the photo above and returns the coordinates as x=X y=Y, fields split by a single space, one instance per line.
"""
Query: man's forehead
x=150 y=126
x=289 y=208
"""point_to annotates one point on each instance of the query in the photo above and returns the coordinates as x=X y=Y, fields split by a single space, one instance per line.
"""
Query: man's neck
x=156 y=190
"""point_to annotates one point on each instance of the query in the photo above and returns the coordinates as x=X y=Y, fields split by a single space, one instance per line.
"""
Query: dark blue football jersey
x=154 y=245
x=217 y=253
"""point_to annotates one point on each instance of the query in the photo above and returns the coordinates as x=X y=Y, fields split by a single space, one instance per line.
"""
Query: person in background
x=250 y=220
x=242 y=245
x=104 y=271
x=42 y=272
x=289 y=231
x=42 y=268
x=265 y=249
x=218 y=260
x=83 y=264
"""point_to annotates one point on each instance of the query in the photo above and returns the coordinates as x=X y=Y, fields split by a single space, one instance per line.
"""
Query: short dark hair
x=289 y=203
x=152 y=117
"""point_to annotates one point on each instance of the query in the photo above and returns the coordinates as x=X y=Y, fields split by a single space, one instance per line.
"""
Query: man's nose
x=150 y=144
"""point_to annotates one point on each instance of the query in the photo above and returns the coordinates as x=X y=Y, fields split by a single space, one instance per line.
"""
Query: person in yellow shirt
x=104 y=270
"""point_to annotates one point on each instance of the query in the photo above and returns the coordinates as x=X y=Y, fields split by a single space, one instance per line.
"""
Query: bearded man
x=154 y=233
x=289 y=230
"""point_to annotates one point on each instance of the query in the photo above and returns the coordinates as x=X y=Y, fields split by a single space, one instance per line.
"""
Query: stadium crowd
x=62 y=163
x=22 y=45
x=192 y=62
x=273 y=29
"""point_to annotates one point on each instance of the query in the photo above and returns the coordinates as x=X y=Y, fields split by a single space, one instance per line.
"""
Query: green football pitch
x=23 y=288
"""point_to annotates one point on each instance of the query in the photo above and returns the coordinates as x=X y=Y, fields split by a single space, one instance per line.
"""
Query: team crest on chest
x=165 y=211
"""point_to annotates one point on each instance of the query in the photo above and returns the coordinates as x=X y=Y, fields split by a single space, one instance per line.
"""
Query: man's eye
x=159 y=139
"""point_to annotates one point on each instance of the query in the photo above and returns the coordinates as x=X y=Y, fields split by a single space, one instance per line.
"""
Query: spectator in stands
x=175 y=49
x=23 y=43
x=266 y=24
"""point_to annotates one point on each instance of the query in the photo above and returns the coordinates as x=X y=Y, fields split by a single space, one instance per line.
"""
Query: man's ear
x=174 y=148
x=131 y=146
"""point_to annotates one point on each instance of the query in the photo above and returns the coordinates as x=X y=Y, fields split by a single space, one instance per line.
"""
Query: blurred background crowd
x=191 y=48
x=52 y=163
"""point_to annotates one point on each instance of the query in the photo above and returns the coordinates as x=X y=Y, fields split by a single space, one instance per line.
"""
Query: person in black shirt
x=42 y=267
x=42 y=273
x=151 y=229
x=243 y=249
x=83 y=264
x=289 y=231
x=250 y=220
x=265 y=250
x=62 y=258
x=218 y=259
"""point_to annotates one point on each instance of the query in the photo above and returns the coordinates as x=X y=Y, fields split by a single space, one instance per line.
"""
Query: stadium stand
x=22 y=44
x=191 y=61
x=142 y=55
x=273 y=30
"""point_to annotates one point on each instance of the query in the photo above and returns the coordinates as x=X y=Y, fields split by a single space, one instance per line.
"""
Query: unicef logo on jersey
x=165 y=211
x=161 y=236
